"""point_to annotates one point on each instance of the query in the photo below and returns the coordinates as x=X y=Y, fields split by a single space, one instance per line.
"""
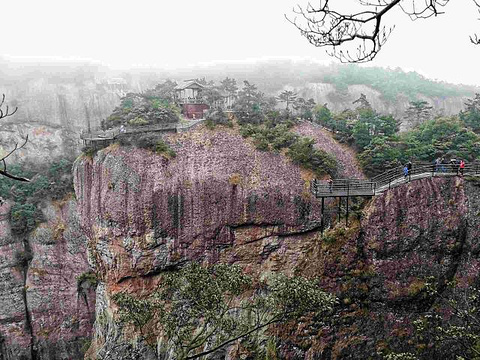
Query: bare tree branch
x=358 y=37
x=18 y=178
x=3 y=115
x=474 y=38
x=6 y=113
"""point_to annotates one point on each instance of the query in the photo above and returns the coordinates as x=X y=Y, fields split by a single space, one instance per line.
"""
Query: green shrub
x=24 y=218
x=127 y=103
x=275 y=137
x=132 y=310
x=149 y=141
x=89 y=151
x=162 y=147
x=210 y=124
x=303 y=153
x=216 y=116
x=53 y=182
x=138 y=121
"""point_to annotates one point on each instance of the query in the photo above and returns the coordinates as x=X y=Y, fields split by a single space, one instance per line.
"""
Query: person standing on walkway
x=452 y=166
x=462 y=166
x=437 y=165
x=405 y=171
x=409 y=168
x=442 y=165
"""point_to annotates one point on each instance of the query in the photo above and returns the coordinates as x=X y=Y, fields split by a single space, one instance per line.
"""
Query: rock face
x=144 y=213
x=423 y=231
x=220 y=200
x=345 y=156
x=45 y=144
x=70 y=105
x=45 y=313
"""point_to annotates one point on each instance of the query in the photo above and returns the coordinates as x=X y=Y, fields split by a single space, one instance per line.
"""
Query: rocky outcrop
x=423 y=232
x=348 y=168
x=46 y=306
x=220 y=200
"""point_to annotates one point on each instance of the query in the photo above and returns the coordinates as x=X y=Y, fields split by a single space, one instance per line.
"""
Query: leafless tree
x=360 y=34
x=4 y=113
x=475 y=39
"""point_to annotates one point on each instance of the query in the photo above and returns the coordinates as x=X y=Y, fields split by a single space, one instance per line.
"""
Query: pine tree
x=418 y=112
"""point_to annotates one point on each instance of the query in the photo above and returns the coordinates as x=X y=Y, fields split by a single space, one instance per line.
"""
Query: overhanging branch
x=357 y=37
x=3 y=114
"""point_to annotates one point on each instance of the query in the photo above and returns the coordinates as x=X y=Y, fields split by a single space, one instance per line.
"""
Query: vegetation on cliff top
x=380 y=146
x=153 y=107
x=275 y=137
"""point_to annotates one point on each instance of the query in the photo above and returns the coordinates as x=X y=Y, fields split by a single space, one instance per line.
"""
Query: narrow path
x=104 y=138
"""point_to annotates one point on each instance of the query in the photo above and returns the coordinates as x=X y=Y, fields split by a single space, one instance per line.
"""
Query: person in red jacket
x=462 y=166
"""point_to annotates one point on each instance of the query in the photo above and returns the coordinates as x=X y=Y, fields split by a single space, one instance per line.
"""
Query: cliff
x=412 y=239
x=221 y=201
x=45 y=313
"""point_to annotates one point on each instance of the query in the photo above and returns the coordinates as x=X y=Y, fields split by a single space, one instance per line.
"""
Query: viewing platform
x=388 y=180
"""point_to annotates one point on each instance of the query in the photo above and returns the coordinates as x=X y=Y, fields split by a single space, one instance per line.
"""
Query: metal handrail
x=392 y=177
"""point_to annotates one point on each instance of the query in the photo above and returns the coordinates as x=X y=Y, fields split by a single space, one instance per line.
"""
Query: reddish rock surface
x=222 y=200
x=144 y=212
x=42 y=313
x=345 y=156
x=219 y=199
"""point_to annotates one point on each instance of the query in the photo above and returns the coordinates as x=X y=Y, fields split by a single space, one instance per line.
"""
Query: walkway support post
x=322 y=220
x=348 y=196
x=339 y=207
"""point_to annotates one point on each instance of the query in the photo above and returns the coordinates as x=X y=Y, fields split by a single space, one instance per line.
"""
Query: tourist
x=437 y=164
x=442 y=165
x=462 y=166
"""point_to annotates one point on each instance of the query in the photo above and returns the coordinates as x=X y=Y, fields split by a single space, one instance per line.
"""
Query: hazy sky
x=178 y=33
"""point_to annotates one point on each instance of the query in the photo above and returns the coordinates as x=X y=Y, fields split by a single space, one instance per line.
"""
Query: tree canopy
x=202 y=310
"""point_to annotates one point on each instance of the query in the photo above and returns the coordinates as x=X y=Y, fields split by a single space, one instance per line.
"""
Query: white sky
x=178 y=33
